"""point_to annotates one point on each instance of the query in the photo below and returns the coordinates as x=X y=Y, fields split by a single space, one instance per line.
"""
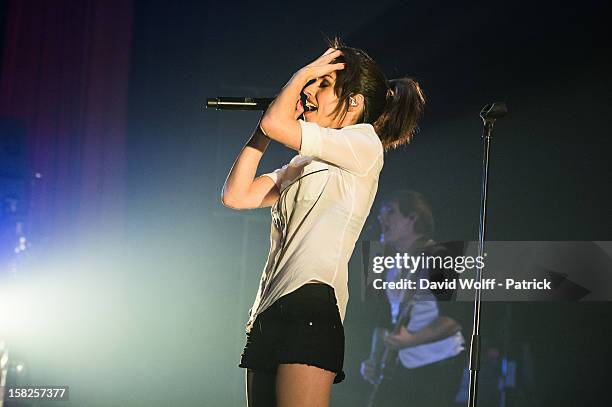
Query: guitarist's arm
x=439 y=328
x=369 y=366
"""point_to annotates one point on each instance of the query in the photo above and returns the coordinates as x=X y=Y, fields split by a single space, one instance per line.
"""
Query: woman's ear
x=356 y=103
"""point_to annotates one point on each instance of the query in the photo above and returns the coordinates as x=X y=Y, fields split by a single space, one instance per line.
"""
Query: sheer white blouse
x=326 y=193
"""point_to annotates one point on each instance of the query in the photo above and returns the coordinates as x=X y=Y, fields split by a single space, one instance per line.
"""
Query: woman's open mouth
x=307 y=104
x=310 y=107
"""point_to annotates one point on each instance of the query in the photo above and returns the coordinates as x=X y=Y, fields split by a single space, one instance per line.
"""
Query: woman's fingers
x=329 y=55
x=330 y=51
x=323 y=66
x=316 y=71
x=329 y=68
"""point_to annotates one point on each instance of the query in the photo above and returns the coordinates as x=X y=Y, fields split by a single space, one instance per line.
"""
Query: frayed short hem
x=340 y=376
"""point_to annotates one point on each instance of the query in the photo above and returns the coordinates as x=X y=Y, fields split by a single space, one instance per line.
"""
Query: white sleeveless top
x=326 y=193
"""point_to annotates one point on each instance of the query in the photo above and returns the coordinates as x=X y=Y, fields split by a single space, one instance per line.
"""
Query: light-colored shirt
x=326 y=193
x=423 y=312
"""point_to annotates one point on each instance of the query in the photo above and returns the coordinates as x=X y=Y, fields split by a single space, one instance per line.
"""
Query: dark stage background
x=136 y=283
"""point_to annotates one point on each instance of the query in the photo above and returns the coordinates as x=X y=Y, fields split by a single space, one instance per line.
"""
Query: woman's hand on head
x=322 y=66
x=279 y=122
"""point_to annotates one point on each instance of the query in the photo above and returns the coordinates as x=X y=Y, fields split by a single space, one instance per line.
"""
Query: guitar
x=388 y=360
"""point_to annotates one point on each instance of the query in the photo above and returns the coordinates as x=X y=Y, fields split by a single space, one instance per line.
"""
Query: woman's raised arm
x=241 y=189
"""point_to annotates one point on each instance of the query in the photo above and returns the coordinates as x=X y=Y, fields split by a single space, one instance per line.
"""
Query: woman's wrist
x=258 y=139
x=300 y=78
x=283 y=108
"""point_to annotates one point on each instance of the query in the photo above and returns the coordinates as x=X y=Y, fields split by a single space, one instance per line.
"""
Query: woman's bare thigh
x=299 y=385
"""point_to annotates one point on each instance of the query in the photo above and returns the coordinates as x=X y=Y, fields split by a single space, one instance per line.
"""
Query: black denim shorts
x=301 y=327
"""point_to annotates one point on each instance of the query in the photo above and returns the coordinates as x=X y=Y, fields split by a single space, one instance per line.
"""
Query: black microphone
x=495 y=110
x=238 y=103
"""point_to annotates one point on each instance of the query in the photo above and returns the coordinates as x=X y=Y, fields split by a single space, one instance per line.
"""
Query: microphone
x=238 y=103
x=492 y=111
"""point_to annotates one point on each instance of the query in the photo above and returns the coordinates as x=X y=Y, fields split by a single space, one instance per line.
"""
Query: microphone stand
x=489 y=114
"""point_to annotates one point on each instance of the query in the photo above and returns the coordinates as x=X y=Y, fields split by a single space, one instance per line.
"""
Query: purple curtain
x=65 y=76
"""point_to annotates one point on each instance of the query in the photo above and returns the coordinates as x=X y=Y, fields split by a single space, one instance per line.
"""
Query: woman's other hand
x=321 y=66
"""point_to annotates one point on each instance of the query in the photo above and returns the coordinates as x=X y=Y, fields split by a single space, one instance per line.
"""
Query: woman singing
x=320 y=200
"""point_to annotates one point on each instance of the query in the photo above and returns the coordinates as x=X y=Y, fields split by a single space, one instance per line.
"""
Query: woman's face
x=321 y=101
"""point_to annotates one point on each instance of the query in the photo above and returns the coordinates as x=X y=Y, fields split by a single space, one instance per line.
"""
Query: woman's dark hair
x=392 y=107
x=413 y=203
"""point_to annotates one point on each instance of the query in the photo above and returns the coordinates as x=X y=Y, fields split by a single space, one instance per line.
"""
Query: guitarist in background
x=430 y=363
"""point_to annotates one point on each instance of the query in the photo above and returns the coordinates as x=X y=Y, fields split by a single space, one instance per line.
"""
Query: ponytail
x=404 y=106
